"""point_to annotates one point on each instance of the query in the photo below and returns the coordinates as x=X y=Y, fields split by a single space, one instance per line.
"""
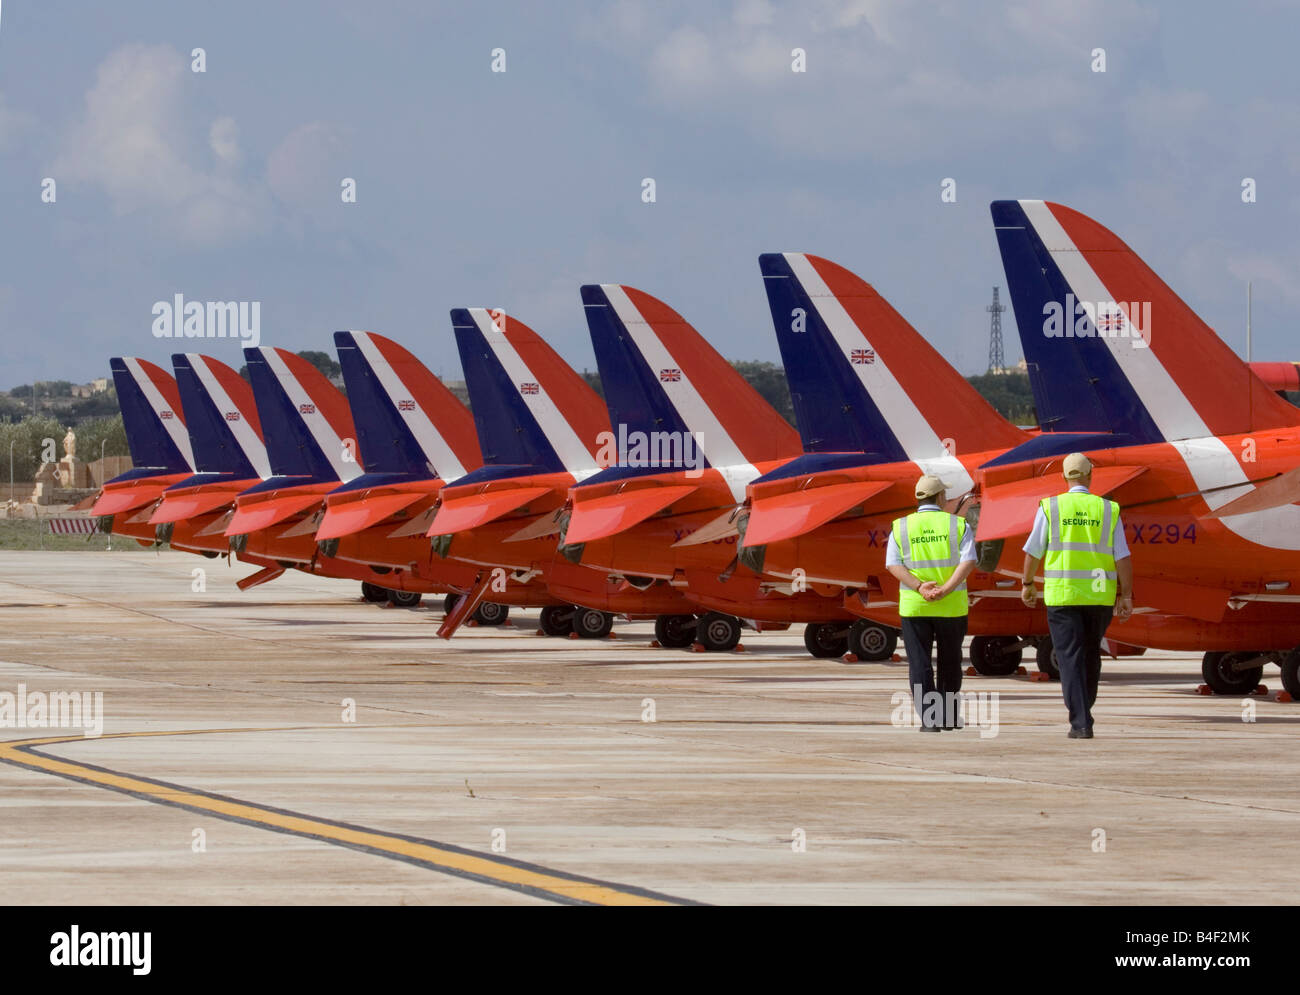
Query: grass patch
x=34 y=533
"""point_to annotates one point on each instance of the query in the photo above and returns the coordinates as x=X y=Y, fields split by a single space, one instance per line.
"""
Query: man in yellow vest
x=931 y=553
x=1087 y=578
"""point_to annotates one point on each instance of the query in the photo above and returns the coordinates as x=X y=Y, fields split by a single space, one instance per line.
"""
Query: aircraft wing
x=1008 y=509
x=1283 y=489
x=467 y=512
x=613 y=513
x=178 y=507
x=353 y=516
x=784 y=516
x=263 y=514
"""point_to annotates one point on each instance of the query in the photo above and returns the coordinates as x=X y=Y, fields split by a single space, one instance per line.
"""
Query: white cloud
x=223 y=137
x=134 y=141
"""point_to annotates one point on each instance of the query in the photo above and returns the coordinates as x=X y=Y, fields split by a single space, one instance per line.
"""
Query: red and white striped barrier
x=73 y=526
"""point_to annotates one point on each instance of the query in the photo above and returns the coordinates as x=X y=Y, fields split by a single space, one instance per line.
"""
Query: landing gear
x=825 y=639
x=373 y=592
x=675 y=631
x=404 y=599
x=872 y=641
x=592 y=624
x=557 y=620
x=487 y=612
x=995 y=656
x=1045 y=657
x=718 y=633
x=1233 y=673
x=1290 y=664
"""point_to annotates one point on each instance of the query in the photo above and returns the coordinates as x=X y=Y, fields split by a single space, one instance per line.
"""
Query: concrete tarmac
x=332 y=751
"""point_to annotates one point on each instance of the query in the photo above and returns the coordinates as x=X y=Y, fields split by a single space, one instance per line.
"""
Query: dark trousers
x=1076 y=636
x=921 y=635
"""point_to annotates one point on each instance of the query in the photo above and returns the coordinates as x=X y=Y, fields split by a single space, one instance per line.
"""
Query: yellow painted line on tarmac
x=504 y=872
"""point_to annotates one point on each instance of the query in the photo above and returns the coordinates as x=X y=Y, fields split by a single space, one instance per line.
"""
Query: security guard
x=931 y=553
x=1087 y=577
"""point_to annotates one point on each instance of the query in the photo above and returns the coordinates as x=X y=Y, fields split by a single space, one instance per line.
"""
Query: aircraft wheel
x=825 y=639
x=373 y=592
x=718 y=633
x=404 y=599
x=1291 y=673
x=993 y=656
x=1045 y=657
x=557 y=620
x=675 y=631
x=592 y=624
x=1221 y=673
x=872 y=641
x=491 y=613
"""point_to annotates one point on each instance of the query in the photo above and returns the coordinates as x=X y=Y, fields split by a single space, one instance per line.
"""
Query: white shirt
x=1037 y=544
x=966 y=551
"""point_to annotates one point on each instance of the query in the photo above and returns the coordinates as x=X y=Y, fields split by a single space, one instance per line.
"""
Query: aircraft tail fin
x=221 y=417
x=305 y=418
x=530 y=407
x=152 y=416
x=862 y=378
x=407 y=421
x=659 y=374
x=1110 y=347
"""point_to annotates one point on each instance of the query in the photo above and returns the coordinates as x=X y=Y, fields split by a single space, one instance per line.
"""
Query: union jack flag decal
x=529 y=388
x=164 y=414
x=1111 y=321
x=670 y=375
x=862 y=357
x=232 y=416
x=407 y=405
x=306 y=409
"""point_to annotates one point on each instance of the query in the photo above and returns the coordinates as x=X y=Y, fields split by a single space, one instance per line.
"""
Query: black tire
x=404 y=599
x=373 y=592
x=993 y=656
x=1045 y=657
x=491 y=613
x=872 y=641
x=675 y=631
x=557 y=620
x=718 y=633
x=825 y=639
x=1290 y=665
x=1221 y=673
x=449 y=603
x=592 y=624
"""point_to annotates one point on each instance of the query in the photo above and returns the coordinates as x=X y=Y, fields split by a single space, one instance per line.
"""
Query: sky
x=511 y=189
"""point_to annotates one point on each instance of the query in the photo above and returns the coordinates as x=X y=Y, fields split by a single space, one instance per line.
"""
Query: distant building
x=98 y=386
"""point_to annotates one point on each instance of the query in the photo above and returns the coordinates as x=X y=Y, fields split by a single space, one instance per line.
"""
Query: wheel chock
x=740 y=648
x=612 y=635
x=655 y=644
x=471 y=624
x=895 y=659
x=1284 y=697
x=1038 y=677
x=540 y=632
x=1204 y=689
x=508 y=624
x=698 y=648
x=574 y=635
x=971 y=672
x=1021 y=671
x=850 y=658
x=1261 y=690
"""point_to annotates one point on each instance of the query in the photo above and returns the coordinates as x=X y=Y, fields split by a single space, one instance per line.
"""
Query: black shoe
x=1080 y=734
x=932 y=728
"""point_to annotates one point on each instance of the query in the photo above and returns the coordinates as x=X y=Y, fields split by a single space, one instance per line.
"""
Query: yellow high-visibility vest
x=1079 y=567
x=929 y=544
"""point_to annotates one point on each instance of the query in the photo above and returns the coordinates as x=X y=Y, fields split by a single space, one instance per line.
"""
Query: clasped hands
x=931 y=591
